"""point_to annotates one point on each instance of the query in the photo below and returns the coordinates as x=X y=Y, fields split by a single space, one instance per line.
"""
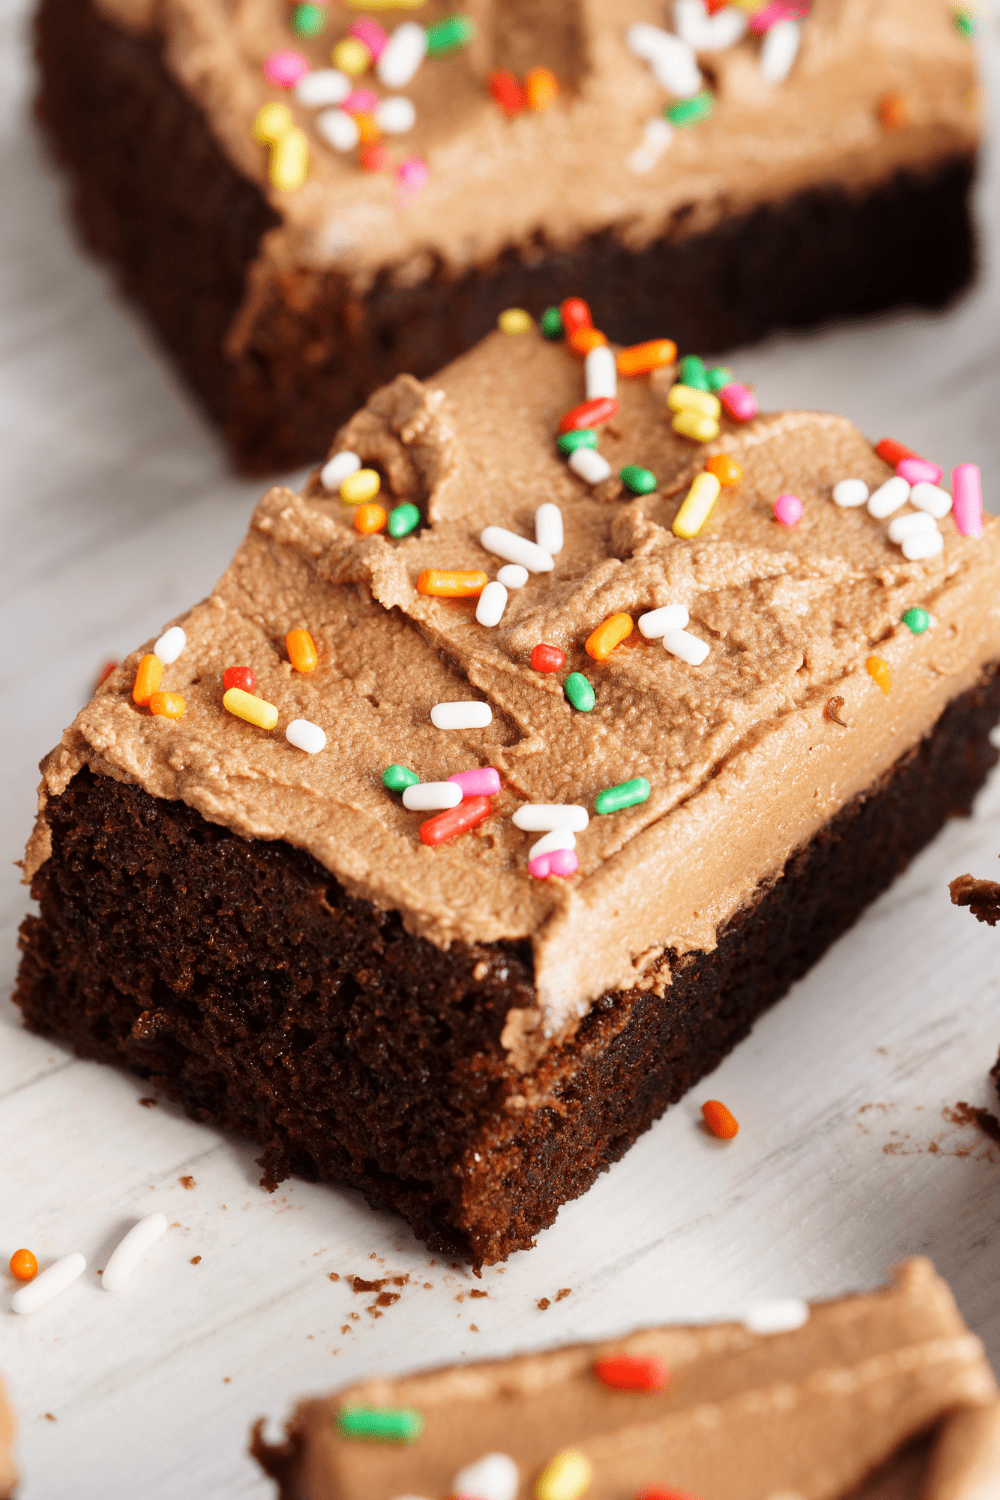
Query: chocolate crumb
x=360 y=1285
x=428 y=1286
x=196 y=1260
x=831 y=711
x=972 y=1114
x=49 y=1417
x=147 y=1103
x=543 y=1303
x=401 y=1280
x=226 y=1380
x=477 y=1293
x=563 y=1292
x=473 y=1328
x=189 y=1183
x=386 y=1299
x=347 y=1328
x=334 y=1275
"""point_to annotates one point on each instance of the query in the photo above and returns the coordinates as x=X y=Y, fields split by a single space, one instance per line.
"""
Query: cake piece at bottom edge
x=8 y=1469
x=886 y=1390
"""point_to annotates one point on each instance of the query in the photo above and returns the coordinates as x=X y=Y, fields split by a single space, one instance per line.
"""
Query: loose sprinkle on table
x=23 y=1265
x=545 y=658
x=454 y=583
x=467 y=714
x=632 y=1372
x=48 y=1283
x=448 y=825
x=253 y=710
x=480 y=781
x=363 y=484
x=719 y=1120
x=516 y=549
x=514 y=320
x=697 y=506
x=147 y=679
x=129 y=1251
x=916 y=620
x=170 y=645
x=609 y=634
x=381 y=1424
x=788 y=510
x=430 y=796
x=579 y=692
x=404 y=519
x=239 y=677
x=878 y=670
x=302 y=651
x=628 y=794
x=564 y=1477
x=305 y=735
x=398 y=778
x=167 y=705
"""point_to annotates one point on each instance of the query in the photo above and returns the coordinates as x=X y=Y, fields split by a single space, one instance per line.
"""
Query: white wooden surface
x=117 y=512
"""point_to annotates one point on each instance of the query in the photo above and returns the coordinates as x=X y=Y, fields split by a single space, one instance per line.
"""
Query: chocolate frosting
x=744 y=1416
x=556 y=176
x=744 y=762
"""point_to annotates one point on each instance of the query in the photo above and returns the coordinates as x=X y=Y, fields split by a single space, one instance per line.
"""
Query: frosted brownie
x=705 y=1413
x=821 y=177
x=274 y=938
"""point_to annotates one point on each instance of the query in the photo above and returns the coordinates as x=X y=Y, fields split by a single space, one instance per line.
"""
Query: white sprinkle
x=466 y=715
x=338 y=468
x=430 y=794
x=926 y=544
x=688 y=647
x=516 y=549
x=910 y=524
x=170 y=645
x=600 y=373
x=541 y=817
x=707 y=33
x=48 y=1283
x=889 y=497
x=658 y=621
x=338 y=129
x=306 y=736
x=656 y=137
x=512 y=576
x=850 y=492
x=323 y=86
x=930 y=498
x=129 y=1251
x=402 y=55
x=559 y=838
x=779 y=51
x=549 y=526
x=590 y=465
x=492 y=603
x=782 y=1315
x=396 y=116
x=672 y=60
x=994 y=736
x=494 y=1477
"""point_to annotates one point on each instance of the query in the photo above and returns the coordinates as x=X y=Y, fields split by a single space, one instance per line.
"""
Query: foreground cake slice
x=276 y=939
x=716 y=1412
x=8 y=1469
x=814 y=162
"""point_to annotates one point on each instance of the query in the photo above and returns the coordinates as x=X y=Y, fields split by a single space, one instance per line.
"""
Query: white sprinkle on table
x=49 y=1283
x=129 y=1252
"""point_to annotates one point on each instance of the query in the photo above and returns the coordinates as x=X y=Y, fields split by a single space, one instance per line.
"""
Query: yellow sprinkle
x=686 y=398
x=878 y=671
x=271 y=123
x=514 y=320
x=564 y=1477
x=246 y=706
x=289 y=161
x=697 y=506
x=351 y=56
x=693 y=425
x=362 y=485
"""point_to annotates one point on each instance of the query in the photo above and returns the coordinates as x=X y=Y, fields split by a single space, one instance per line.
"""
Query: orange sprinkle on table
x=167 y=705
x=719 y=1120
x=878 y=670
x=369 y=518
x=608 y=635
x=641 y=359
x=147 y=679
x=455 y=583
x=301 y=650
x=726 y=470
x=23 y=1265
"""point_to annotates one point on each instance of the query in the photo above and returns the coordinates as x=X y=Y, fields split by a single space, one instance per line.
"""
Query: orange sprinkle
x=167 y=705
x=718 y=1119
x=878 y=671
x=584 y=339
x=640 y=359
x=147 y=679
x=369 y=518
x=726 y=469
x=23 y=1265
x=541 y=88
x=368 y=131
x=302 y=651
x=608 y=635
x=451 y=583
x=892 y=112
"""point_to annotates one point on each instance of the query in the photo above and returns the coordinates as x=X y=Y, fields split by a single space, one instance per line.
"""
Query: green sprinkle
x=640 y=481
x=690 y=111
x=691 y=372
x=917 y=620
x=308 y=20
x=582 y=437
x=551 y=324
x=579 y=692
x=718 y=377
x=397 y=779
x=450 y=34
x=381 y=1424
x=403 y=519
x=614 y=798
x=964 y=23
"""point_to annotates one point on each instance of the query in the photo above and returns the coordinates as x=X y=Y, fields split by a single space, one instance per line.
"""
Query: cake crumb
x=196 y=1260
x=334 y=1275
x=226 y=1380
x=832 y=711
x=563 y=1292
x=189 y=1183
x=477 y=1293
x=347 y=1328
x=473 y=1328
x=543 y=1303
x=973 y=1114
x=147 y=1103
x=49 y=1417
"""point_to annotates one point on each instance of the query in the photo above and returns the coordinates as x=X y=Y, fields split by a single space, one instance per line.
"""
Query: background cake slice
x=267 y=934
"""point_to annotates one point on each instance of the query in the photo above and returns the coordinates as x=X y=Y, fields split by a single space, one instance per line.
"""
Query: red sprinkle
x=239 y=677
x=507 y=92
x=892 y=451
x=632 y=1372
x=589 y=414
x=447 y=825
x=374 y=158
x=575 y=315
x=547 y=658
x=105 y=673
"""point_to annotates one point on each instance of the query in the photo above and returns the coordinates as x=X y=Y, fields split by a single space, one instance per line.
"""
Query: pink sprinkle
x=770 y=15
x=412 y=175
x=361 y=102
x=481 y=781
x=913 y=470
x=286 y=67
x=371 y=33
x=967 y=505
x=541 y=867
x=740 y=403
x=559 y=862
x=788 y=510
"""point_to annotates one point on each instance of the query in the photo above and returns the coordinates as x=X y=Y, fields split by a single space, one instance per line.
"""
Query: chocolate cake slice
x=884 y=1396
x=465 y=1026
x=714 y=176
